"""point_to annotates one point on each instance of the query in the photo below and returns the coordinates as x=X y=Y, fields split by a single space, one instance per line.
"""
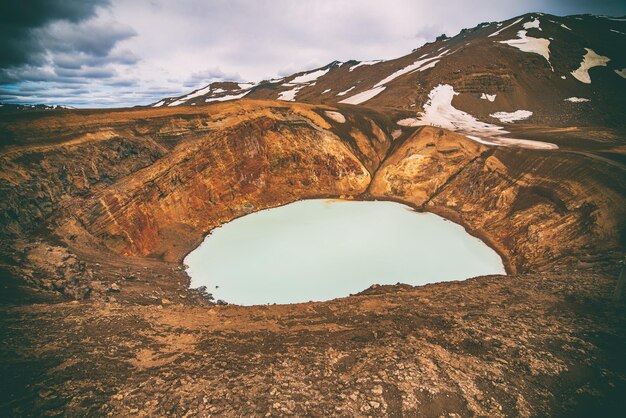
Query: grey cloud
x=185 y=44
x=86 y=72
x=94 y=38
x=26 y=72
x=33 y=13
x=61 y=41
x=18 y=20
x=78 y=60
x=122 y=83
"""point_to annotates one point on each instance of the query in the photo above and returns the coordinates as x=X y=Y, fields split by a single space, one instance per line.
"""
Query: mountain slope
x=532 y=62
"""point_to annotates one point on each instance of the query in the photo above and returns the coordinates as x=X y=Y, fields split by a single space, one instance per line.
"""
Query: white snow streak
x=192 y=95
x=246 y=86
x=420 y=65
x=225 y=98
x=532 y=24
x=438 y=111
x=343 y=93
x=336 y=116
x=590 y=60
x=510 y=117
x=364 y=63
x=490 y=97
x=506 y=27
x=290 y=95
x=429 y=65
x=363 y=96
x=529 y=44
x=312 y=76
x=576 y=100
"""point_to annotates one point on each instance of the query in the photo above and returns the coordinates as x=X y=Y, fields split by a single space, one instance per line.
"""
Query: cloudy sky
x=105 y=53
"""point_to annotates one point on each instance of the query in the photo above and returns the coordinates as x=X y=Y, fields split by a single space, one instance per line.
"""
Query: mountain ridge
x=530 y=62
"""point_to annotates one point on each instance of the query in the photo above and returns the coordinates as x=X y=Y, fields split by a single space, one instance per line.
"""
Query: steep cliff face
x=102 y=206
x=540 y=209
x=152 y=183
x=38 y=180
x=202 y=183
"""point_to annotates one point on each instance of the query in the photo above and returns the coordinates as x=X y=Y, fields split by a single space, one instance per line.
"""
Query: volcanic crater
x=98 y=209
x=99 y=318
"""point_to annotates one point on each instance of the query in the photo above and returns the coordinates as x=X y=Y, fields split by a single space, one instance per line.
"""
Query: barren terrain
x=99 y=208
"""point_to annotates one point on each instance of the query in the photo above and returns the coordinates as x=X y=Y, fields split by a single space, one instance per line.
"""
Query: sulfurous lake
x=315 y=250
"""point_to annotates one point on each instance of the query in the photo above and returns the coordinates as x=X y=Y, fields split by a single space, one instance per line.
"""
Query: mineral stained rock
x=99 y=207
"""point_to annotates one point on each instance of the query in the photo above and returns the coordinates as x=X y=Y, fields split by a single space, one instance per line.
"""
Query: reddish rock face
x=103 y=206
x=538 y=208
x=152 y=183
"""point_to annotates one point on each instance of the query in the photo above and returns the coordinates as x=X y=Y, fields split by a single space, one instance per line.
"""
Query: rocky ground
x=98 y=208
x=526 y=345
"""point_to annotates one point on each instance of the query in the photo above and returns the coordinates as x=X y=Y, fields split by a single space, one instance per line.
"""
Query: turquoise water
x=323 y=249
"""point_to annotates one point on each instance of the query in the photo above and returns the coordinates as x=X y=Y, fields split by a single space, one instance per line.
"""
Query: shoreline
x=447 y=215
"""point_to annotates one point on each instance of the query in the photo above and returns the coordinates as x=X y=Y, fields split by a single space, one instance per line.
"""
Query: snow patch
x=192 y=95
x=590 y=60
x=529 y=44
x=161 y=103
x=289 y=95
x=343 y=93
x=364 y=63
x=429 y=65
x=511 y=142
x=576 y=100
x=225 y=98
x=532 y=24
x=326 y=91
x=490 y=97
x=506 y=27
x=438 y=111
x=312 y=76
x=563 y=77
x=363 y=96
x=563 y=26
x=510 y=117
x=419 y=65
x=336 y=116
x=616 y=31
x=621 y=73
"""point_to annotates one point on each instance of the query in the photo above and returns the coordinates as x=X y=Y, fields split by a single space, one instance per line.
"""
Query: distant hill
x=546 y=69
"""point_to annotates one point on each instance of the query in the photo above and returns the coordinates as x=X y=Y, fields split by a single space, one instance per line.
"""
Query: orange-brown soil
x=100 y=207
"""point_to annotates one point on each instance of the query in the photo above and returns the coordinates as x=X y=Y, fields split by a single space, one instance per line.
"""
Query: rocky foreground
x=98 y=209
x=497 y=346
